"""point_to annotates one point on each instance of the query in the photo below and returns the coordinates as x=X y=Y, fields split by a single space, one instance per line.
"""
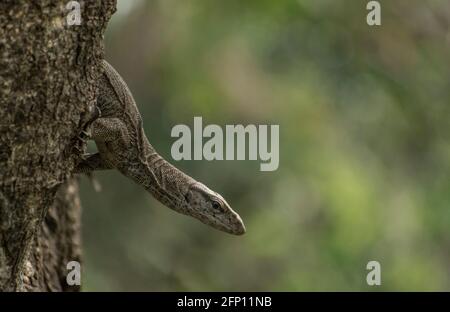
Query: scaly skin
x=122 y=145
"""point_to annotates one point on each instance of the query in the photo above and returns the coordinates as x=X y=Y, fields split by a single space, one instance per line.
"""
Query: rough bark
x=48 y=71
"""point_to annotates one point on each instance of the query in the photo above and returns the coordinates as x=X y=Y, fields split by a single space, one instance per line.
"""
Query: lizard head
x=212 y=209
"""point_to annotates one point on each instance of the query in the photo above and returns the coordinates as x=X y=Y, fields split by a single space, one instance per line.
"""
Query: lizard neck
x=164 y=181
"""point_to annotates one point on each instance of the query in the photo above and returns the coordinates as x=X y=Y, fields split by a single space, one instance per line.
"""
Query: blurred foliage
x=364 y=146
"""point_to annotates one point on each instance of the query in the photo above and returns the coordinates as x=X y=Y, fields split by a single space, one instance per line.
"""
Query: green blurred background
x=364 y=146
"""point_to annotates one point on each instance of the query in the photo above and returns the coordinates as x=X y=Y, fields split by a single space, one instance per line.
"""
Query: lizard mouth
x=239 y=228
x=235 y=227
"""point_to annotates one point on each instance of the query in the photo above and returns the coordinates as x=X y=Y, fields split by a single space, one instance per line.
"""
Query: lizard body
x=123 y=145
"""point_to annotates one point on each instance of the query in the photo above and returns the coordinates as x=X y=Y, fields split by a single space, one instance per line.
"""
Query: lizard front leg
x=93 y=162
x=103 y=130
x=109 y=129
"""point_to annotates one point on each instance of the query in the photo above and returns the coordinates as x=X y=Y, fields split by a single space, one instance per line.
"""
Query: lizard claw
x=84 y=135
x=98 y=112
x=85 y=156
x=95 y=113
x=77 y=149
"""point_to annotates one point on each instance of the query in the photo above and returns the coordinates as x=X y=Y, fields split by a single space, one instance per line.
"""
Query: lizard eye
x=216 y=205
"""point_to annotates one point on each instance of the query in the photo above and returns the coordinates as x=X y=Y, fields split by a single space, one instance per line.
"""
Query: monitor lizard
x=118 y=132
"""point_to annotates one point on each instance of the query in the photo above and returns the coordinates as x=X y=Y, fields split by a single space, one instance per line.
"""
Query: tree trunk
x=48 y=70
